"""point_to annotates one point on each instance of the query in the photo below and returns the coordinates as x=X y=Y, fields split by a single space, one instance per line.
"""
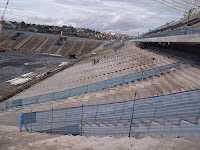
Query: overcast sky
x=119 y=16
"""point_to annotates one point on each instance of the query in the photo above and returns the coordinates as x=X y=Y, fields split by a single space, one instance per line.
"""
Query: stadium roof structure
x=186 y=6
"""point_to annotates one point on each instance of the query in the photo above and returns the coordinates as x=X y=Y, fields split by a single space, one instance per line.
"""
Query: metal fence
x=121 y=44
x=109 y=43
x=171 y=33
x=175 y=113
x=88 y=88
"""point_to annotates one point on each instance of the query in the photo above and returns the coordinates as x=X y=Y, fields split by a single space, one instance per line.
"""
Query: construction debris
x=23 y=79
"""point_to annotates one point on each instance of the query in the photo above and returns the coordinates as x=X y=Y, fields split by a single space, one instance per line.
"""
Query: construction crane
x=1 y=22
x=186 y=6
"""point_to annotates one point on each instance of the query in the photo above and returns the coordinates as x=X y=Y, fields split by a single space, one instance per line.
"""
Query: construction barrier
x=88 y=88
x=121 y=44
x=177 y=113
x=109 y=43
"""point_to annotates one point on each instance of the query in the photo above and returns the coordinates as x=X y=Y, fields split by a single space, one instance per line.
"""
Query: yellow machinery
x=92 y=38
x=1 y=22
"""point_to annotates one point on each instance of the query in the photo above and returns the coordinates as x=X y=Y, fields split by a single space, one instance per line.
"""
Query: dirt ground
x=12 y=139
x=15 y=63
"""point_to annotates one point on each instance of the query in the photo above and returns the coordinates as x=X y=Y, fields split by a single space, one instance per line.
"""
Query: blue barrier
x=121 y=44
x=78 y=90
x=62 y=94
x=166 y=114
x=3 y=105
x=109 y=43
x=88 y=88
x=14 y=103
x=97 y=86
x=45 y=98
x=30 y=100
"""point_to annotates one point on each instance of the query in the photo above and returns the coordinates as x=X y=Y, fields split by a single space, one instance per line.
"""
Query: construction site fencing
x=121 y=44
x=88 y=88
x=109 y=43
x=175 y=113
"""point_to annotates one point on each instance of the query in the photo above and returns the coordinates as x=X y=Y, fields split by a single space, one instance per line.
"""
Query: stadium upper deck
x=185 y=30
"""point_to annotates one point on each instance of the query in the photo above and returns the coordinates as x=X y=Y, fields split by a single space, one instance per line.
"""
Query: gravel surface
x=12 y=65
x=12 y=139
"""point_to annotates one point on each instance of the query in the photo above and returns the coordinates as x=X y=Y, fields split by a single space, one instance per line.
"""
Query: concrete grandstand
x=129 y=59
x=44 y=43
x=183 y=31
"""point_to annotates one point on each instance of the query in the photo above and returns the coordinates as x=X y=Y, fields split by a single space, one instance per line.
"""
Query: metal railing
x=109 y=43
x=121 y=44
x=88 y=88
x=173 y=113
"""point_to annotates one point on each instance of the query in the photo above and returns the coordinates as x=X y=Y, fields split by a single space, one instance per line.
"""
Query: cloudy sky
x=119 y=16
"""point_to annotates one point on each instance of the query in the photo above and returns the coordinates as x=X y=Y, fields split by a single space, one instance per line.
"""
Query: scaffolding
x=186 y=6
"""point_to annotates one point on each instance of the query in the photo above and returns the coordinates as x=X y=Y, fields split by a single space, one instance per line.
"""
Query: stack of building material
x=23 y=79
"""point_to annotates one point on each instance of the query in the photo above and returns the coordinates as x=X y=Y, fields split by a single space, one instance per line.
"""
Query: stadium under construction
x=148 y=86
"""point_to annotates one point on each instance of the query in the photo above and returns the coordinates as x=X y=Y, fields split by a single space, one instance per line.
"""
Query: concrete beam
x=184 y=39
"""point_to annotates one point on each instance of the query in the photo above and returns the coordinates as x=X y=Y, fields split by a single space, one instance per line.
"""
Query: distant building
x=32 y=29
x=80 y=31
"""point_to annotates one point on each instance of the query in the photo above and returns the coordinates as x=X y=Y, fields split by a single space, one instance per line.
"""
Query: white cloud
x=60 y=23
x=127 y=16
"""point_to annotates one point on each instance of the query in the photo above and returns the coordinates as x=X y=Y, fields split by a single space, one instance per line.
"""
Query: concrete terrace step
x=142 y=88
x=141 y=128
x=79 y=78
x=44 y=43
x=127 y=91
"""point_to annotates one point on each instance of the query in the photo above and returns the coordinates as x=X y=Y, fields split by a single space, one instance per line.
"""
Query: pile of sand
x=12 y=139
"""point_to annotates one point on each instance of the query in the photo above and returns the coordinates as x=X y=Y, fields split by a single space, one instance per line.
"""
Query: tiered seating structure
x=124 y=62
x=68 y=47
x=33 y=43
x=5 y=36
x=9 y=42
x=45 y=43
x=77 y=47
x=192 y=22
x=111 y=64
x=48 y=44
x=88 y=46
x=187 y=25
x=176 y=114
